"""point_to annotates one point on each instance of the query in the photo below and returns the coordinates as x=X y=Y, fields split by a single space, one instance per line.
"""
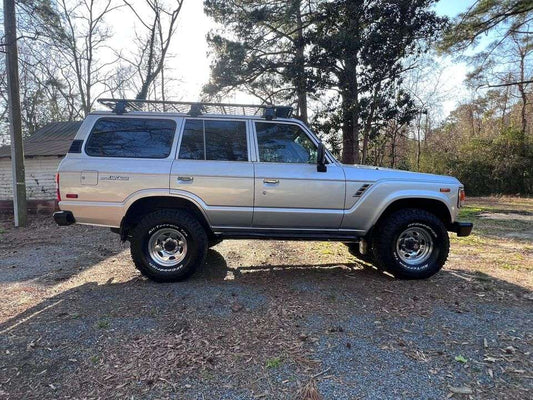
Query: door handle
x=271 y=181
x=185 y=178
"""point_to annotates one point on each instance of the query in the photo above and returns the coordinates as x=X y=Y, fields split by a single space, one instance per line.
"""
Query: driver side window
x=284 y=143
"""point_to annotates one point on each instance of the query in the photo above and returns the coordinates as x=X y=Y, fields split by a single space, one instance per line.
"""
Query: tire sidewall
x=184 y=223
x=387 y=233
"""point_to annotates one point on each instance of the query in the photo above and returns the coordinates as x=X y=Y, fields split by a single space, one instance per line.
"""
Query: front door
x=289 y=192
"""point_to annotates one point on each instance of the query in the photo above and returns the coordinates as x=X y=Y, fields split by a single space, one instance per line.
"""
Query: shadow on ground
x=79 y=321
x=267 y=330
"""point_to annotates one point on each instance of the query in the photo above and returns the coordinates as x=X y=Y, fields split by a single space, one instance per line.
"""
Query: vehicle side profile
x=174 y=178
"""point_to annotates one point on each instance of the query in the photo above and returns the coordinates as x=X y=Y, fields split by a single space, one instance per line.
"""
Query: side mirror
x=321 y=158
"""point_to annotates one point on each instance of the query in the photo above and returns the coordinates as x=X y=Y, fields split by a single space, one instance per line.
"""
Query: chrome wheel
x=414 y=246
x=167 y=247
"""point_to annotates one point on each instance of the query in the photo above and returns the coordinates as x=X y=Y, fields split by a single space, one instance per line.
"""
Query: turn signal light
x=462 y=197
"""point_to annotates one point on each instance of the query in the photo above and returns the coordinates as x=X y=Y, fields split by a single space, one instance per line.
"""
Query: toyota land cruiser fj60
x=175 y=178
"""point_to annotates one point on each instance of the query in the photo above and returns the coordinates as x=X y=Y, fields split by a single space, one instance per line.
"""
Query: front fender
x=368 y=209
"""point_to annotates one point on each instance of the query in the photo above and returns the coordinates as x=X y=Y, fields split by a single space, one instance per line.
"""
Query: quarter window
x=214 y=140
x=284 y=143
x=131 y=137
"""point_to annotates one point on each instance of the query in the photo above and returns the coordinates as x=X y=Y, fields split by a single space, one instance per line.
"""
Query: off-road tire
x=188 y=226
x=353 y=248
x=384 y=244
x=212 y=242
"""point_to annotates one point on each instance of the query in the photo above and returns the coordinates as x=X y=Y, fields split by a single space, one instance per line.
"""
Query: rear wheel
x=168 y=245
x=411 y=244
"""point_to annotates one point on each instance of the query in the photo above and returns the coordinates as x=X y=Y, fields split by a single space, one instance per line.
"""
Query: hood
x=369 y=173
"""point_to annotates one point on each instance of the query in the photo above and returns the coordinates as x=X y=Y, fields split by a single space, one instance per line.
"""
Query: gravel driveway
x=270 y=320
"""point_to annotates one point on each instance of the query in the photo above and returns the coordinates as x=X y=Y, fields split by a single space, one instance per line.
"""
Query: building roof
x=53 y=139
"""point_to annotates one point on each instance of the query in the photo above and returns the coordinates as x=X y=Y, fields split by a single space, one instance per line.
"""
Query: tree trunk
x=393 y=148
x=149 y=76
x=523 y=96
x=301 y=79
x=368 y=124
x=350 y=141
x=418 y=141
x=349 y=88
x=523 y=114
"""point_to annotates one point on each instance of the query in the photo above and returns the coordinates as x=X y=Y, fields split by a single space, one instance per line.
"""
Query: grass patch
x=461 y=359
x=325 y=249
x=472 y=240
x=273 y=362
x=103 y=324
x=508 y=266
x=489 y=227
x=471 y=212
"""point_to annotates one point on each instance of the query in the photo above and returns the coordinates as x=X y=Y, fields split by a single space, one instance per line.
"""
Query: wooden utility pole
x=15 y=125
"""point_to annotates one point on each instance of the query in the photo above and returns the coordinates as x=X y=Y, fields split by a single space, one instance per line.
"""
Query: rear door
x=289 y=192
x=213 y=168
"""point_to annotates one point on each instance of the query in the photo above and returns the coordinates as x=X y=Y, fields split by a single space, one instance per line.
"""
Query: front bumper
x=64 y=218
x=461 y=228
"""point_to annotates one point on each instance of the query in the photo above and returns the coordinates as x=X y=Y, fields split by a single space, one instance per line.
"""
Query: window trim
x=303 y=129
x=91 y=132
x=203 y=119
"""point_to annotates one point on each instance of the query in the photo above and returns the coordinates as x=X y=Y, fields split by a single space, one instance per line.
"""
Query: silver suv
x=174 y=178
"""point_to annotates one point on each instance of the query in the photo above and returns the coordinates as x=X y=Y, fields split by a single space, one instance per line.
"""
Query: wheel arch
x=145 y=205
x=434 y=206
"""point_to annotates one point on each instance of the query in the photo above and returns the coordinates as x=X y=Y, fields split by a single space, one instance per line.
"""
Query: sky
x=451 y=8
x=190 y=62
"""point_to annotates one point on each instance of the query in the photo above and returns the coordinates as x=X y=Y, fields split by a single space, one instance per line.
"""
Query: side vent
x=362 y=190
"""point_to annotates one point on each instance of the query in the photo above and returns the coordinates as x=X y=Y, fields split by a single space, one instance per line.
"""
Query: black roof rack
x=195 y=109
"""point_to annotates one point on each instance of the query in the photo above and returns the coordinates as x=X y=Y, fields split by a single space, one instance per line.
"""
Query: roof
x=53 y=139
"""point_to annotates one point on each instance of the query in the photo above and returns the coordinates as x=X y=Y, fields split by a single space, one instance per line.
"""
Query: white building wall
x=40 y=178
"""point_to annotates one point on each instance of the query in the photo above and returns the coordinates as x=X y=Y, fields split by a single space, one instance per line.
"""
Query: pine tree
x=263 y=49
x=361 y=51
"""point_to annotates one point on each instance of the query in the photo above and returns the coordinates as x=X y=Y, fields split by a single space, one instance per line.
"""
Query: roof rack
x=195 y=109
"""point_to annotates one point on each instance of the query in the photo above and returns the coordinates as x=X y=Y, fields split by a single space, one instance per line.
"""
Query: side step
x=348 y=237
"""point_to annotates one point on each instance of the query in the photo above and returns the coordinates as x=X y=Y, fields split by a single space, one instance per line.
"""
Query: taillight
x=58 y=194
x=462 y=197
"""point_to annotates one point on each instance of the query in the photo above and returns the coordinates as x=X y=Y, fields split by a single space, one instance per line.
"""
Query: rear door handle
x=271 y=181
x=185 y=178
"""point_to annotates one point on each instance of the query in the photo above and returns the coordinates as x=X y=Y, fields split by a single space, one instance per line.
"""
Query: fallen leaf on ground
x=461 y=390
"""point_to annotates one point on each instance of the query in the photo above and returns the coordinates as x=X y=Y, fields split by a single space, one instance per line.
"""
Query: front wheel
x=411 y=244
x=168 y=245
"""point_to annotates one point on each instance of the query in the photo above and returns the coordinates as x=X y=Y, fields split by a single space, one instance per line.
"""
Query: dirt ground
x=270 y=320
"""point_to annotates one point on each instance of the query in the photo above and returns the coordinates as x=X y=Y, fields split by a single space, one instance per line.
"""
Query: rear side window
x=131 y=137
x=214 y=140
